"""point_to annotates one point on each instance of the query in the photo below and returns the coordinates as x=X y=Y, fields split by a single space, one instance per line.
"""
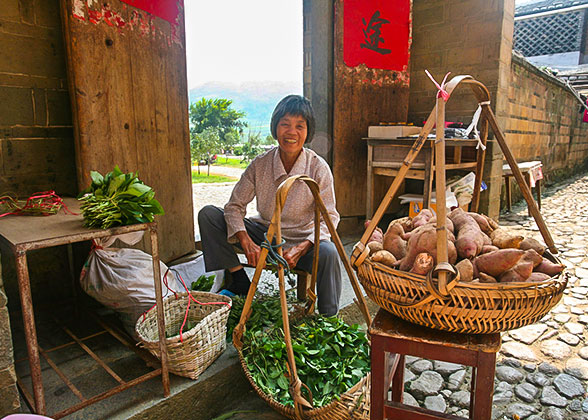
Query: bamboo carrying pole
x=442 y=253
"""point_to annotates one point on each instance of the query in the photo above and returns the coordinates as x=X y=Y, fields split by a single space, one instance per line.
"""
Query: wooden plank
x=130 y=104
x=362 y=97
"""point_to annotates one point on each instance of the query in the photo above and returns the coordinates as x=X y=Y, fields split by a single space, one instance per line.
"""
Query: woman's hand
x=251 y=249
x=292 y=255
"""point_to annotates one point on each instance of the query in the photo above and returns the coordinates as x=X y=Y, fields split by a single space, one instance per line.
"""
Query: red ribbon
x=46 y=201
x=442 y=92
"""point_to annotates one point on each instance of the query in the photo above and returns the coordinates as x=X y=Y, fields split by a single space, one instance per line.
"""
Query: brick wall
x=36 y=139
x=36 y=145
x=463 y=37
x=544 y=122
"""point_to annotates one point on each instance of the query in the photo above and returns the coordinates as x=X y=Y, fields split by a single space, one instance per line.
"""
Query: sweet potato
x=489 y=248
x=522 y=270
x=502 y=238
x=530 y=243
x=384 y=257
x=424 y=239
x=470 y=239
x=466 y=270
x=448 y=223
x=374 y=246
x=377 y=234
x=423 y=263
x=536 y=276
x=422 y=218
x=393 y=241
x=549 y=268
x=482 y=222
x=485 y=278
x=497 y=262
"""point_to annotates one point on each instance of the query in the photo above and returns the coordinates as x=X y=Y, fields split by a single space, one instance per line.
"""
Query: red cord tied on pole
x=442 y=93
x=39 y=204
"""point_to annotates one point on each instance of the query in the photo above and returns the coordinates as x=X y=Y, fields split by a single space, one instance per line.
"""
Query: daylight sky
x=237 y=41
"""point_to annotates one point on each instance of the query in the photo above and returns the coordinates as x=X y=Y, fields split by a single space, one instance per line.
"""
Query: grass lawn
x=232 y=162
x=202 y=177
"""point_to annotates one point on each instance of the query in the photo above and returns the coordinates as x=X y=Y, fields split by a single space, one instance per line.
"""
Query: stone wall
x=9 y=401
x=36 y=144
x=545 y=122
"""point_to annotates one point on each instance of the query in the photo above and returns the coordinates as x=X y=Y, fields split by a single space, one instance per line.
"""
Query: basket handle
x=275 y=229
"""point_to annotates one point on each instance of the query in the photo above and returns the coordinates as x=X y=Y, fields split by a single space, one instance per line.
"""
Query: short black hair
x=294 y=105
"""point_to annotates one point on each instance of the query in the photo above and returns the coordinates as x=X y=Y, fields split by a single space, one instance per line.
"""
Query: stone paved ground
x=542 y=369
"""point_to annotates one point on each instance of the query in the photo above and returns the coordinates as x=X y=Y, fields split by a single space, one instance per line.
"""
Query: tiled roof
x=546 y=6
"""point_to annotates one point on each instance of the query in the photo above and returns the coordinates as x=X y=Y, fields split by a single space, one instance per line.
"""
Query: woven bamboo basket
x=351 y=405
x=474 y=308
x=354 y=404
x=199 y=346
x=439 y=300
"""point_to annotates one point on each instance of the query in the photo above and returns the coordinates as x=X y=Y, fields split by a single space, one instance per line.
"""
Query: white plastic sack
x=122 y=279
x=190 y=270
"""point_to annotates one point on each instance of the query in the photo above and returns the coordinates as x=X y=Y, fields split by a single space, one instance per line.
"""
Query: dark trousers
x=219 y=254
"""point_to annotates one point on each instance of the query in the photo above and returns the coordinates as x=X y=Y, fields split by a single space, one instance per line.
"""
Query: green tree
x=217 y=113
x=269 y=141
x=251 y=148
x=204 y=145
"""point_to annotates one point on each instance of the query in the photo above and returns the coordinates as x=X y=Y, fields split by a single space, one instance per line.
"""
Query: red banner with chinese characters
x=377 y=33
x=164 y=9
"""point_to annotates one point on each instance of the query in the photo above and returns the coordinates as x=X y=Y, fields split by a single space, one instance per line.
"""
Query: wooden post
x=442 y=253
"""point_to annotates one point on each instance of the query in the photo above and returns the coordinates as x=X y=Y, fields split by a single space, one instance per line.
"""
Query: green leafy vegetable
x=203 y=283
x=118 y=199
x=330 y=356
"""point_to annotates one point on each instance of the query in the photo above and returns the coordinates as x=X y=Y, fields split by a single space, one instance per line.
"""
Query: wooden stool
x=528 y=169
x=390 y=334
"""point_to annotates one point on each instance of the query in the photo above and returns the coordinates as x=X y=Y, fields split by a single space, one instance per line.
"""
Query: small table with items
x=26 y=233
x=533 y=175
x=386 y=156
x=392 y=339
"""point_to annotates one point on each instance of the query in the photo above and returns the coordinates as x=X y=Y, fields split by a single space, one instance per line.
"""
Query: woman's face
x=291 y=132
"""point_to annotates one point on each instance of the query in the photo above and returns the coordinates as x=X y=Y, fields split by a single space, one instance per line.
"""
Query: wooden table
x=26 y=233
x=533 y=175
x=392 y=336
x=385 y=157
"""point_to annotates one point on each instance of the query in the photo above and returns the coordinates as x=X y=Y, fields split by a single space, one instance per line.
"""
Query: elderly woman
x=292 y=124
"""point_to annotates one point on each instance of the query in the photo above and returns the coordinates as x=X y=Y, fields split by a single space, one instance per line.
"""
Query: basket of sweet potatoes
x=500 y=280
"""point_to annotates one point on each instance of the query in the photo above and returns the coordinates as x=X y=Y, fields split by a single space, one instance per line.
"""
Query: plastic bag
x=122 y=279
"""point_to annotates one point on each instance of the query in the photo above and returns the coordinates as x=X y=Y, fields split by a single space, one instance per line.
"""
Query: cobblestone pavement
x=542 y=369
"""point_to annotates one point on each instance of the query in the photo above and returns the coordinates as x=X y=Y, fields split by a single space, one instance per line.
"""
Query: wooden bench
x=399 y=338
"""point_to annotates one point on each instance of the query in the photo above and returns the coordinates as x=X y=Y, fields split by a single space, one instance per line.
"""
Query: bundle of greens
x=117 y=199
x=330 y=356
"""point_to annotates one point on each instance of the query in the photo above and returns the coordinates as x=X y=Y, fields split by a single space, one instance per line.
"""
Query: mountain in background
x=256 y=99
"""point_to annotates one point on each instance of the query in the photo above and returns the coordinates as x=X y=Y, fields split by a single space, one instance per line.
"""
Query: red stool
x=390 y=334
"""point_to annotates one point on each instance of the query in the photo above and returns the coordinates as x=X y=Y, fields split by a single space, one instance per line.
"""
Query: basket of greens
x=311 y=367
x=118 y=199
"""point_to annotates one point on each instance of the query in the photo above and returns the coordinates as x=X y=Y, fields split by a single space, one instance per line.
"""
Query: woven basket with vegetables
x=460 y=271
x=315 y=368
